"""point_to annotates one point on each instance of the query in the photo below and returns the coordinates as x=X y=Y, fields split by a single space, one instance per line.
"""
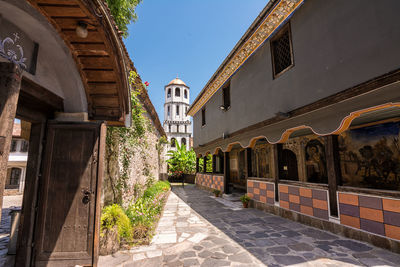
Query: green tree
x=181 y=161
x=124 y=13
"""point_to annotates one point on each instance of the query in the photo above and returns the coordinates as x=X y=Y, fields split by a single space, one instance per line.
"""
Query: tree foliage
x=124 y=13
x=181 y=161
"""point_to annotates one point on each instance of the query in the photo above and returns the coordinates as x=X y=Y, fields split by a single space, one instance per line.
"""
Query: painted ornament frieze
x=276 y=17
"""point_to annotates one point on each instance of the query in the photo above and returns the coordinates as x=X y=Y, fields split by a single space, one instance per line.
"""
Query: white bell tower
x=177 y=124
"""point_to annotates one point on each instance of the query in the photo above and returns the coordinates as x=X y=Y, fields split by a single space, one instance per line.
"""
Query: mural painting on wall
x=260 y=157
x=316 y=162
x=370 y=156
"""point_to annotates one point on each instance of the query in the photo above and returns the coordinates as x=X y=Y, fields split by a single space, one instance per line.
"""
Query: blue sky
x=188 y=38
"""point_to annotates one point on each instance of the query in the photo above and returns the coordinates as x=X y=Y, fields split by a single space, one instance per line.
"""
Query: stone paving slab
x=211 y=232
x=183 y=238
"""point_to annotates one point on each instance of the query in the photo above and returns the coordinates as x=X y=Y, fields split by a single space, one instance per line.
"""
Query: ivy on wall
x=121 y=144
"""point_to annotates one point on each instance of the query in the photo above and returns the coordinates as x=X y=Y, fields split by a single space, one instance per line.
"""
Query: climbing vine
x=122 y=142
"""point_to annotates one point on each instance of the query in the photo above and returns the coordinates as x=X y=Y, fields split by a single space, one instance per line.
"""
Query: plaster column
x=10 y=84
x=205 y=164
x=214 y=164
x=226 y=172
x=276 y=155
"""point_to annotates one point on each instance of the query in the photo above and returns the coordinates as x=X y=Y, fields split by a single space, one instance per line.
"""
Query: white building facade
x=177 y=124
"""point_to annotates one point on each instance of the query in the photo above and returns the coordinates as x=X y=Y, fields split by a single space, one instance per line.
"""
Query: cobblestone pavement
x=5 y=225
x=197 y=229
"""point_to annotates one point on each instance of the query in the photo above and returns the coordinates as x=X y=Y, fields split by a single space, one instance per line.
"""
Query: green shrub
x=114 y=215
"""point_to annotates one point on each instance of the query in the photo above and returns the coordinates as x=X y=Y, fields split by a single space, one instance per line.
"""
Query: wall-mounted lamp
x=222 y=107
x=81 y=29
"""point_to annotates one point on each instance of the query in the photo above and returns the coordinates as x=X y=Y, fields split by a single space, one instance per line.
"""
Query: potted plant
x=245 y=200
x=217 y=192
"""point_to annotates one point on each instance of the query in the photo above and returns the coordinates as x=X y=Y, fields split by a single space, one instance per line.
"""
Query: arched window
x=15 y=176
x=177 y=92
x=169 y=93
x=185 y=93
x=173 y=140
x=183 y=141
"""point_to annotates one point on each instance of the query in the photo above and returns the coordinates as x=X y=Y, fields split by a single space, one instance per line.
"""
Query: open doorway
x=13 y=192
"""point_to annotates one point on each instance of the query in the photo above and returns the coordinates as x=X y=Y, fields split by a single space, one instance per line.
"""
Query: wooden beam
x=334 y=173
x=277 y=152
x=226 y=172
x=29 y=203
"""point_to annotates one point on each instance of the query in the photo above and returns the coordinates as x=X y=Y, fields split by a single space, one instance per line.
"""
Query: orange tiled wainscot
x=374 y=214
x=261 y=191
x=210 y=181
x=308 y=201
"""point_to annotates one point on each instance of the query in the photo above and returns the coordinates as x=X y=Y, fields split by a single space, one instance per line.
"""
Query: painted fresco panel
x=370 y=156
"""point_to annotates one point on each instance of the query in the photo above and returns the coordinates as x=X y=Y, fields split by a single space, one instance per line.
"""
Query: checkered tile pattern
x=308 y=201
x=373 y=214
x=218 y=182
x=261 y=191
x=210 y=181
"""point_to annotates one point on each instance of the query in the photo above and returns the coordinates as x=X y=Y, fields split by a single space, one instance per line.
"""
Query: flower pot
x=245 y=205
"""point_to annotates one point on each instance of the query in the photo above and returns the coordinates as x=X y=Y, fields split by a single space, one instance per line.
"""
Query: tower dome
x=177 y=81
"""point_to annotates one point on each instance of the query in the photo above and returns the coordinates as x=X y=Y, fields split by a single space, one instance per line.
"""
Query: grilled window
x=281 y=49
x=226 y=96
x=203 y=117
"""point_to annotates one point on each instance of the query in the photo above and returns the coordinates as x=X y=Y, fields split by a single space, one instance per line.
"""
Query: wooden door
x=288 y=166
x=66 y=231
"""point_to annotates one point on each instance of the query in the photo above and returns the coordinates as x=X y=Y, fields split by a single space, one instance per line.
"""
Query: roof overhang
x=273 y=16
x=101 y=58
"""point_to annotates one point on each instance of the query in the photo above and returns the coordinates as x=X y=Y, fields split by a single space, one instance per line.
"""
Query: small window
x=185 y=128
x=169 y=93
x=203 y=117
x=177 y=110
x=226 y=95
x=168 y=111
x=169 y=128
x=183 y=141
x=173 y=140
x=15 y=176
x=177 y=128
x=186 y=111
x=24 y=146
x=185 y=94
x=13 y=147
x=177 y=92
x=281 y=50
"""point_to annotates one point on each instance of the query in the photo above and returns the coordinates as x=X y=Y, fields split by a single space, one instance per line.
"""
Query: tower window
x=185 y=94
x=203 y=117
x=183 y=141
x=169 y=93
x=169 y=128
x=185 y=128
x=177 y=110
x=177 y=92
x=281 y=50
x=168 y=110
x=226 y=96
x=177 y=128
x=173 y=140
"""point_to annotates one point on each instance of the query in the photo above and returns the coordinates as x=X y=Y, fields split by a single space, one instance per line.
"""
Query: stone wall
x=147 y=162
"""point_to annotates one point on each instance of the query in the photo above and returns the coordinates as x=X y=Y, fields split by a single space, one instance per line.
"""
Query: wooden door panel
x=65 y=222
